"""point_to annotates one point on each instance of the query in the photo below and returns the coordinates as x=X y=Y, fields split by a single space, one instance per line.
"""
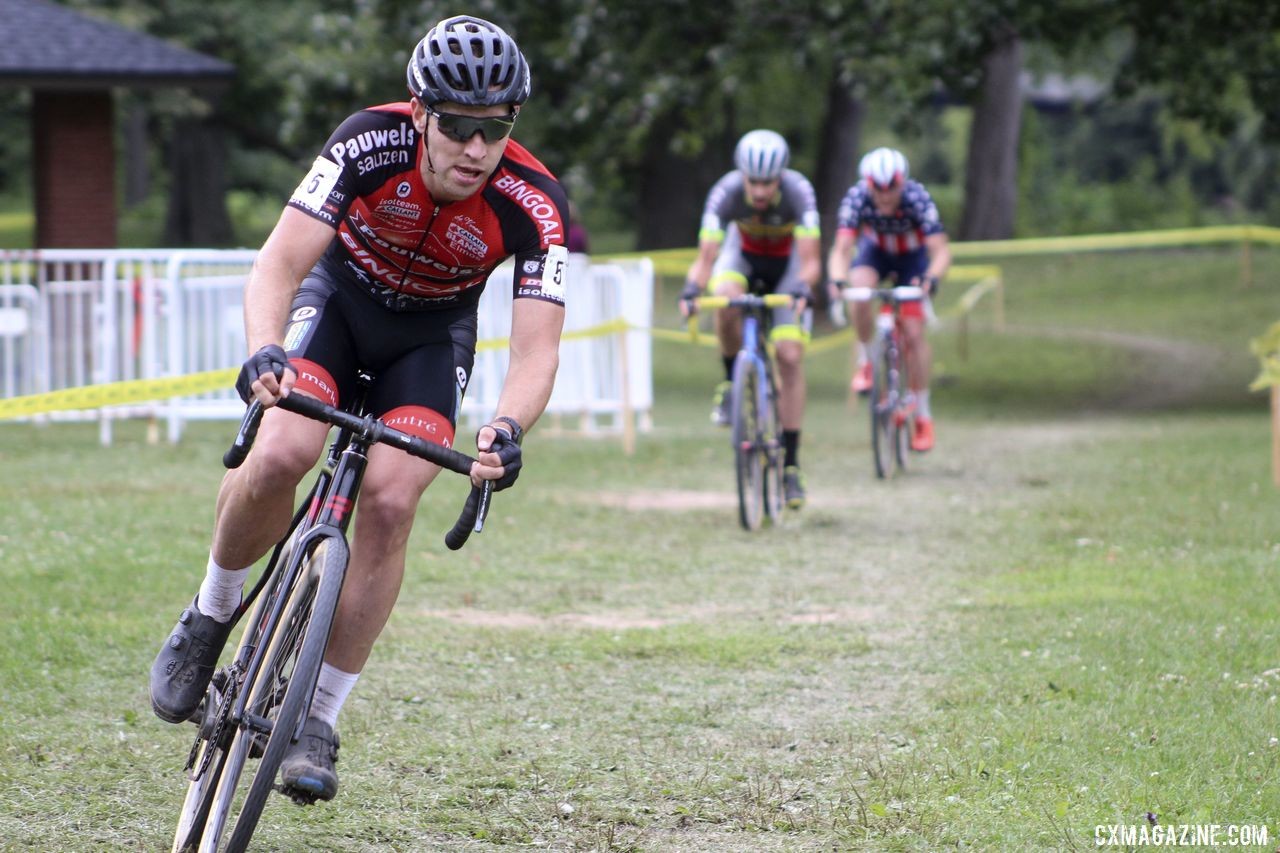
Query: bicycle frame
x=291 y=624
x=756 y=426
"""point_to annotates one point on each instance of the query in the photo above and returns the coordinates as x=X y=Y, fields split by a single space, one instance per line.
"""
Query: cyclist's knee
x=282 y=458
x=790 y=354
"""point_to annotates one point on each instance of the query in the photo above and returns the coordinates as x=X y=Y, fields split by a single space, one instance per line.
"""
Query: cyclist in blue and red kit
x=377 y=263
x=760 y=223
x=897 y=232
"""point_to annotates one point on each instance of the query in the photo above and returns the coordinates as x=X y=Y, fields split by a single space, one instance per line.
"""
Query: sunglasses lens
x=462 y=128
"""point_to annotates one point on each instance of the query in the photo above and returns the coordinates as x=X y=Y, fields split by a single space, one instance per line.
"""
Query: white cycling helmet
x=884 y=168
x=761 y=155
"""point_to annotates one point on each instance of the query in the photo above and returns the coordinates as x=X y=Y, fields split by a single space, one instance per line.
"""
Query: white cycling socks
x=221 y=591
x=332 y=689
x=922 y=404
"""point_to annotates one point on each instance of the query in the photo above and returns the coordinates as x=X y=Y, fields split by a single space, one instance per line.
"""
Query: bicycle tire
x=193 y=818
x=283 y=687
x=200 y=791
x=772 y=453
x=880 y=406
x=747 y=455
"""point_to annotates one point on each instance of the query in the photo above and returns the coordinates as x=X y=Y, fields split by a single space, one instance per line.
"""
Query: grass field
x=1062 y=618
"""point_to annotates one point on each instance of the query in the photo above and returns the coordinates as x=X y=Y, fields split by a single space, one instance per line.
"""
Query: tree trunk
x=673 y=189
x=838 y=155
x=197 y=214
x=991 y=174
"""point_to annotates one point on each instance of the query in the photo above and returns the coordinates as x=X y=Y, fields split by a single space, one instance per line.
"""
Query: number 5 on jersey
x=314 y=190
x=554 y=272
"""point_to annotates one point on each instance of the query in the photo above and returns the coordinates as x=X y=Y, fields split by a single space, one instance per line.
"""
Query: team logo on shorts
x=462 y=378
x=530 y=267
x=306 y=312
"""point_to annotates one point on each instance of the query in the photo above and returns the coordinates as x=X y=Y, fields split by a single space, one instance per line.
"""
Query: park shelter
x=72 y=63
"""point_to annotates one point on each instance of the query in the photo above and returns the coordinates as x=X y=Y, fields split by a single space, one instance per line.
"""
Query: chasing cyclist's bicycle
x=756 y=427
x=891 y=405
x=256 y=705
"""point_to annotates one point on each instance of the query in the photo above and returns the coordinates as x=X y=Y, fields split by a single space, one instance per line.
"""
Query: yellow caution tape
x=117 y=393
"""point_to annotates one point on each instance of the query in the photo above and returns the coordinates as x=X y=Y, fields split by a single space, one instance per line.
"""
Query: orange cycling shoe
x=861 y=383
x=922 y=439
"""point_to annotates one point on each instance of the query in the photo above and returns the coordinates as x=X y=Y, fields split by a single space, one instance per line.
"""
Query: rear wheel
x=747 y=453
x=883 y=400
x=279 y=696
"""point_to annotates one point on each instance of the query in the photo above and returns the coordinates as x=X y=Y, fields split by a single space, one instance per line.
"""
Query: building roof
x=48 y=46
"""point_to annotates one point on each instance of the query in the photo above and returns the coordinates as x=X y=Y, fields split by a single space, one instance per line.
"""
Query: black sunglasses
x=461 y=128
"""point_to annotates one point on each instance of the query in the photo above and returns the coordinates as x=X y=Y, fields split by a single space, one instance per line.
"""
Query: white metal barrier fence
x=73 y=318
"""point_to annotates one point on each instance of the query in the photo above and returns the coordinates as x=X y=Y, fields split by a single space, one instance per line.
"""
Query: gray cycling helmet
x=470 y=61
x=762 y=155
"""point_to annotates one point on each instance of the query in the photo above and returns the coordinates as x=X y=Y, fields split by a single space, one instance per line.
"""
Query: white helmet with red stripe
x=884 y=168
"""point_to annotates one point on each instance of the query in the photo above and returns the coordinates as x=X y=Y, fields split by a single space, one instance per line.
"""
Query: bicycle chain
x=221 y=715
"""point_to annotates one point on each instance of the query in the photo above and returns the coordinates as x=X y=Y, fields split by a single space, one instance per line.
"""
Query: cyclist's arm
x=292 y=249
x=700 y=270
x=841 y=255
x=939 y=249
x=809 y=250
x=535 y=355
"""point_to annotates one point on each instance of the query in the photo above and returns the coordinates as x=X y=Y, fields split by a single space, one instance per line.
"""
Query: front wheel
x=772 y=468
x=882 y=406
x=280 y=695
x=747 y=452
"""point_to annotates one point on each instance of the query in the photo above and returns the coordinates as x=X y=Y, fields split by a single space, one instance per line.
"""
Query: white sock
x=221 y=590
x=922 y=404
x=332 y=689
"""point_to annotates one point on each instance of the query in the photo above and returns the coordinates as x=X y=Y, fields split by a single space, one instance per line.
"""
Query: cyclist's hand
x=266 y=375
x=928 y=283
x=835 y=305
x=499 y=458
x=688 y=307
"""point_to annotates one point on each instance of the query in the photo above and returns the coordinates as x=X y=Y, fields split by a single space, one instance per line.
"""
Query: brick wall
x=75 y=187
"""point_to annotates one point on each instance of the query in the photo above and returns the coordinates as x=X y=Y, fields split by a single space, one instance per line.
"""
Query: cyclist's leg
x=254 y=507
x=790 y=335
x=870 y=265
x=728 y=278
x=919 y=355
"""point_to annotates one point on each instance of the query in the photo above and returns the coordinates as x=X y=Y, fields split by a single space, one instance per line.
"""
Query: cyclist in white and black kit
x=377 y=263
x=760 y=223
x=894 y=226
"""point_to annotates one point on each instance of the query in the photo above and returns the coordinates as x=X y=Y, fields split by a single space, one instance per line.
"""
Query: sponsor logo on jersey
x=371 y=141
x=395 y=276
x=462 y=240
x=403 y=189
x=531 y=267
x=391 y=208
x=536 y=203
x=296 y=332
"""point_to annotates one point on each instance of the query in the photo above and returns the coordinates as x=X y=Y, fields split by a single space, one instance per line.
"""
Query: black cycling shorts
x=419 y=360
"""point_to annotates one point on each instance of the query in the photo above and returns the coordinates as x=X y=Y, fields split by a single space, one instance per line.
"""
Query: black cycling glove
x=687 y=296
x=269 y=359
x=509 y=454
x=931 y=285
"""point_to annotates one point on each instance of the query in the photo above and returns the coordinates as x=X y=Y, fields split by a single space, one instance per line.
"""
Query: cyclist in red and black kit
x=377 y=263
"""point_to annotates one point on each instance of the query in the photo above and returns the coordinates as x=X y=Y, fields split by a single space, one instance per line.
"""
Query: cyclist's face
x=761 y=193
x=460 y=167
x=888 y=198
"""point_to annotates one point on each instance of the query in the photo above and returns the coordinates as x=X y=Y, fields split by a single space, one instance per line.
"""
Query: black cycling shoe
x=307 y=772
x=185 y=664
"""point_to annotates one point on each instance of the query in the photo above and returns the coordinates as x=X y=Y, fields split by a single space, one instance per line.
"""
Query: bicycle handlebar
x=894 y=295
x=473 y=511
x=750 y=300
